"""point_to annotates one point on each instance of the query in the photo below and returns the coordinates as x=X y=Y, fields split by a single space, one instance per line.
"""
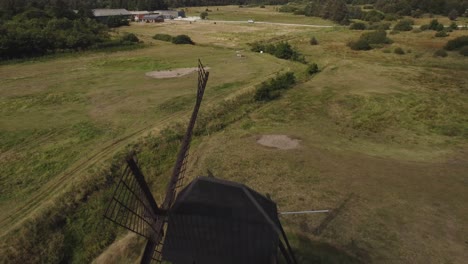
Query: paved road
x=259 y=22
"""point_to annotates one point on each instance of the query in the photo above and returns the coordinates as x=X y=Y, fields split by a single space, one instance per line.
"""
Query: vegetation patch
x=282 y=50
x=457 y=43
x=271 y=89
x=179 y=39
x=370 y=40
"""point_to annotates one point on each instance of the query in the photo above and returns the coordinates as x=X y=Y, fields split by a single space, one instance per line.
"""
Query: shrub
x=440 y=27
x=453 y=26
x=312 y=69
x=464 y=51
x=262 y=6
x=182 y=39
x=282 y=50
x=441 y=34
x=374 y=16
x=457 y=43
x=270 y=89
x=368 y=7
x=399 y=51
x=313 y=41
x=376 y=37
x=433 y=24
x=440 y=53
x=130 y=37
x=424 y=27
x=404 y=25
x=203 y=15
x=163 y=37
x=360 y=44
x=357 y=26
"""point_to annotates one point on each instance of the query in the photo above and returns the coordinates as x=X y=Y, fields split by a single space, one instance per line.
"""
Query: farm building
x=138 y=15
x=153 y=18
x=170 y=14
x=104 y=14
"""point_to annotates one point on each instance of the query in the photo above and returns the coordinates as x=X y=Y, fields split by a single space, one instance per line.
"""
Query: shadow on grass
x=308 y=251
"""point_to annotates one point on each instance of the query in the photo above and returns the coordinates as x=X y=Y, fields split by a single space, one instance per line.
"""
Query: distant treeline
x=12 y=7
x=342 y=11
x=409 y=7
x=45 y=29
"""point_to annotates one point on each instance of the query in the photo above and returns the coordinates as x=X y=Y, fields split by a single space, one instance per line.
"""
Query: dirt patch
x=175 y=73
x=278 y=141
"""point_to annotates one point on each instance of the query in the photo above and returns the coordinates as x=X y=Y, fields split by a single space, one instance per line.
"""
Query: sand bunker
x=278 y=141
x=175 y=73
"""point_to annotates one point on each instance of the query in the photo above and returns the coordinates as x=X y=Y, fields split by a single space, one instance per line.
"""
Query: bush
x=312 y=69
x=464 y=51
x=434 y=24
x=374 y=16
x=404 y=25
x=262 y=6
x=440 y=53
x=376 y=37
x=203 y=15
x=282 y=50
x=441 y=34
x=453 y=26
x=399 y=51
x=182 y=39
x=424 y=27
x=360 y=44
x=270 y=89
x=130 y=37
x=457 y=43
x=163 y=37
x=313 y=41
x=357 y=26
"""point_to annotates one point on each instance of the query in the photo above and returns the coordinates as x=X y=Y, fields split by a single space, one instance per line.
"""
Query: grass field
x=383 y=136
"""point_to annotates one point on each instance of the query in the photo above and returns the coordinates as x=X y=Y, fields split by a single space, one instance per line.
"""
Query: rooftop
x=110 y=12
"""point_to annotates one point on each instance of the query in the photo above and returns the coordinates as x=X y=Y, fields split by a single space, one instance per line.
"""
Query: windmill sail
x=134 y=207
x=179 y=167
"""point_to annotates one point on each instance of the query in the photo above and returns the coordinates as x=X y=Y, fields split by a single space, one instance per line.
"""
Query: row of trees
x=36 y=32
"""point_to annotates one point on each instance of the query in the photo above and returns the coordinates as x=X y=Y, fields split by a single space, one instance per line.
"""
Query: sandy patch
x=278 y=141
x=175 y=73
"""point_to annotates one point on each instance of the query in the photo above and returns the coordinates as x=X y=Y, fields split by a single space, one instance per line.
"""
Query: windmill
x=208 y=221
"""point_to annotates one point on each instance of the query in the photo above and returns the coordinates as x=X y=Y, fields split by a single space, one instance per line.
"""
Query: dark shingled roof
x=218 y=221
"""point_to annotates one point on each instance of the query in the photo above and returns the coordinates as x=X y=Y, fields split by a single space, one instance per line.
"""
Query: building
x=152 y=18
x=170 y=14
x=138 y=15
x=104 y=14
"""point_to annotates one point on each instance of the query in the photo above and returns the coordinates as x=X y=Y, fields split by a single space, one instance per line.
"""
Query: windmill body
x=218 y=221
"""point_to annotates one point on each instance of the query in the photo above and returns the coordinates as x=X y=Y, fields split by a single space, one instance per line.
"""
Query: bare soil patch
x=278 y=141
x=175 y=73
